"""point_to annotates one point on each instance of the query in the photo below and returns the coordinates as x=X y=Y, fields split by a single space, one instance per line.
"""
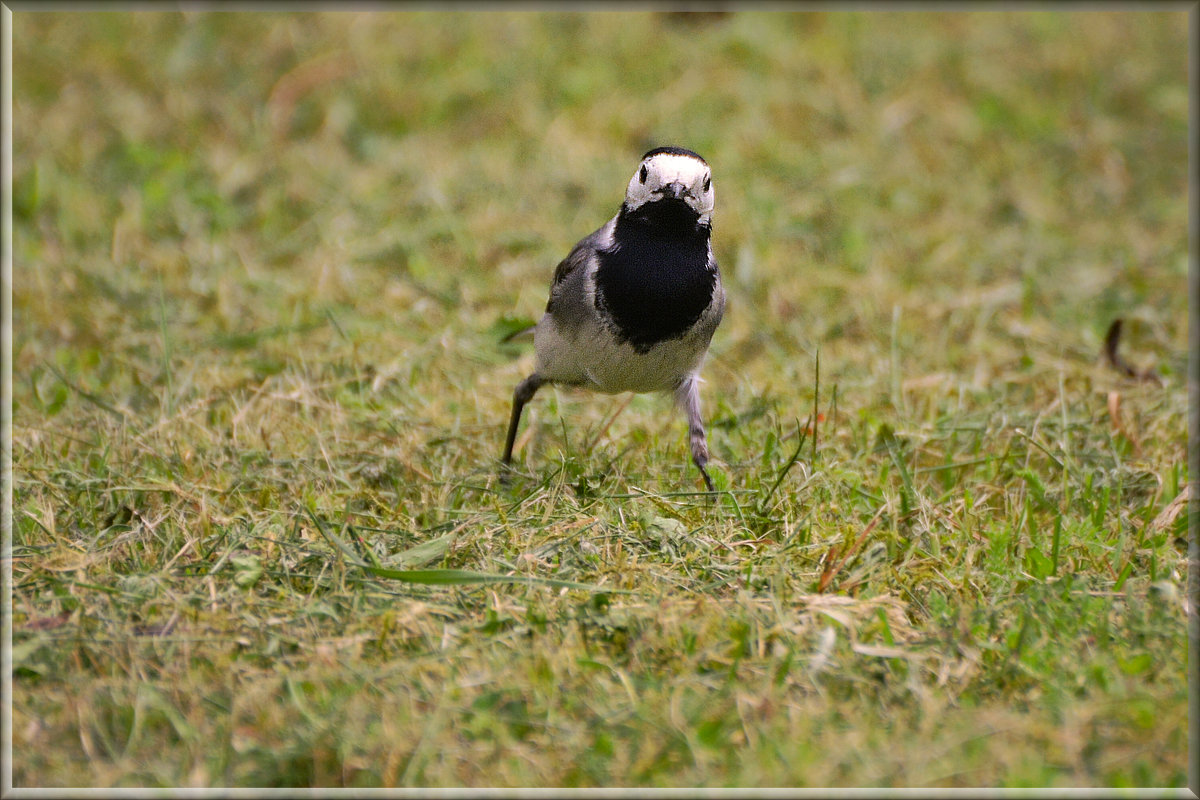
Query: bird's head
x=671 y=183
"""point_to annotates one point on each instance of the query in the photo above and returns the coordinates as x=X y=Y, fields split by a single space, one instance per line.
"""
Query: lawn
x=263 y=265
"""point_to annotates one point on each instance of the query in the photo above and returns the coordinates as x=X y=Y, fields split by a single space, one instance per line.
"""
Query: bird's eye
x=707 y=182
x=642 y=175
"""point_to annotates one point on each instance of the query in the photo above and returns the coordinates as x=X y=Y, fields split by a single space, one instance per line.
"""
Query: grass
x=263 y=265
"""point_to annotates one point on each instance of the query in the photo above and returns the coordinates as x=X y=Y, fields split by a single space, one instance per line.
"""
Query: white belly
x=593 y=359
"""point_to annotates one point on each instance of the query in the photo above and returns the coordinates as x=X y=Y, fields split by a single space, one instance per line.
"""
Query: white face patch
x=654 y=177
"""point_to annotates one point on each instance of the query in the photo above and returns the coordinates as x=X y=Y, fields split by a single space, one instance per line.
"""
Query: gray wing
x=571 y=266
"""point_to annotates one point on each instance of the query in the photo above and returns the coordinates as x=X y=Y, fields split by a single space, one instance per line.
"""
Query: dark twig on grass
x=1112 y=341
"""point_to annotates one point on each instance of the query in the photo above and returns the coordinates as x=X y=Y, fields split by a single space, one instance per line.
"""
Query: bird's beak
x=673 y=190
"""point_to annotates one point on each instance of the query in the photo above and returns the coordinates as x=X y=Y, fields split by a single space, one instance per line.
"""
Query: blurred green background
x=858 y=155
x=262 y=264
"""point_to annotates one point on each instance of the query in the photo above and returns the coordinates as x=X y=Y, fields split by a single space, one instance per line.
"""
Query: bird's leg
x=523 y=394
x=687 y=394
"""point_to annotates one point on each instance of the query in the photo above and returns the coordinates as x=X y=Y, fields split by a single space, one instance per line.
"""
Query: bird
x=634 y=305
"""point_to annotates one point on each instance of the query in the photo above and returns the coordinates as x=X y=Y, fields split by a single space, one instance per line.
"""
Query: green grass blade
x=447 y=577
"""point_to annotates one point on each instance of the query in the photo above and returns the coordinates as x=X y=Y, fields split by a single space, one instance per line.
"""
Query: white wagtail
x=634 y=306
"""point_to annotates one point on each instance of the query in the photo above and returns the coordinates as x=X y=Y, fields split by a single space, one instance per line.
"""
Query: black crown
x=675 y=151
